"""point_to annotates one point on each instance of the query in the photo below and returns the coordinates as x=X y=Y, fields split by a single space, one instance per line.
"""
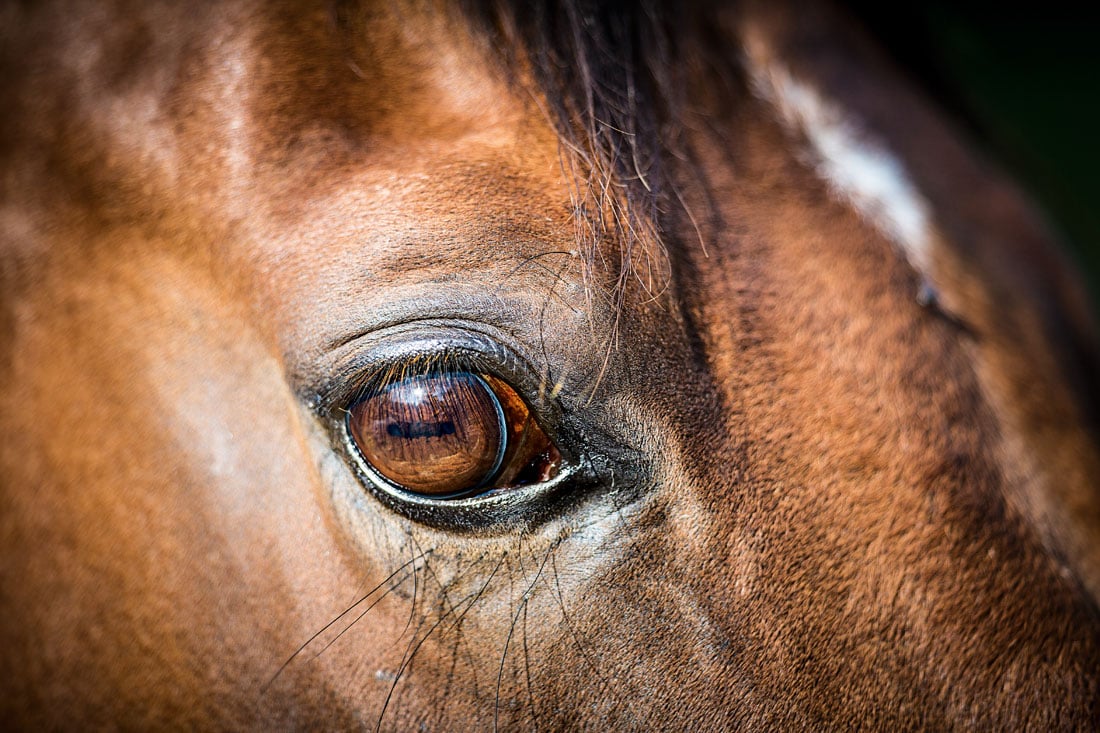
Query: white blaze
x=856 y=166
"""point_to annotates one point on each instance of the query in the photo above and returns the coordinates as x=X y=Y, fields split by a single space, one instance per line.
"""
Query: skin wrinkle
x=817 y=505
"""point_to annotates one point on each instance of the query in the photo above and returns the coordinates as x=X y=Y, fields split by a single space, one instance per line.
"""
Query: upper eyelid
x=392 y=372
x=348 y=389
x=455 y=347
x=506 y=331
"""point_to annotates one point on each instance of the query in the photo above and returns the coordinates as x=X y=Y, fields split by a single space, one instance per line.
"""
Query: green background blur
x=1027 y=83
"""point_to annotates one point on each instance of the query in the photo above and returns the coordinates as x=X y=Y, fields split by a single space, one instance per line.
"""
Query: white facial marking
x=856 y=166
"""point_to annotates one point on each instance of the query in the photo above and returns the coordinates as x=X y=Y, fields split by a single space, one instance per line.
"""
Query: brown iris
x=450 y=434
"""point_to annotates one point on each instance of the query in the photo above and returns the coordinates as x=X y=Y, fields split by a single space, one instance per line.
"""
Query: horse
x=416 y=365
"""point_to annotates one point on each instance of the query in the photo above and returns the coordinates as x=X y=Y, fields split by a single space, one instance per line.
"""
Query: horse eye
x=451 y=434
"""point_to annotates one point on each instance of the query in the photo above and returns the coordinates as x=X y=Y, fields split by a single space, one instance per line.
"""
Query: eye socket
x=450 y=435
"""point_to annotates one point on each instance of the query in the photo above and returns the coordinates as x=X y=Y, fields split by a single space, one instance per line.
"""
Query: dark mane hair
x=611 y=74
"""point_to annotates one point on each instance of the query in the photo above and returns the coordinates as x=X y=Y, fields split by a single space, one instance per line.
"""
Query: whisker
x=449 y=607
x=442 y=590
x=367 y=610
x=511 y=629
x=559 y=278
x=527 y=673
x=533 y=260
x=604 y=683
x=413 y=646
x=329 y=625
x=411 y=652
x=412 y=604
x=472 y=603
x=478 y=595
x=526 y=651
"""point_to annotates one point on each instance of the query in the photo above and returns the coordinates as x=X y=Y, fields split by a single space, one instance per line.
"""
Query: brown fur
x=822 y=505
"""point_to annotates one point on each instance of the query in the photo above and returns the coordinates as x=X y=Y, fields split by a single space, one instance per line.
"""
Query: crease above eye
x=451 y=434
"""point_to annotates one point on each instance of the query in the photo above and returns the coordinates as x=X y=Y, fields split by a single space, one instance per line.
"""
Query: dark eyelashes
x=372 y=380
x=416 y=352
x=362 y=377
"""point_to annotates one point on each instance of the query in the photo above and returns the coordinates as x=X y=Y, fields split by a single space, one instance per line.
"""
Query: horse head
x=550 y=365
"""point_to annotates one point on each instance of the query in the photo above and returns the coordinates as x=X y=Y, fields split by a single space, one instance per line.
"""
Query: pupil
x=420 y=429
x=440 y=435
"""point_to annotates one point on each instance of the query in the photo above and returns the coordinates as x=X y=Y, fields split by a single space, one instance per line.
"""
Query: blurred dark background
x=1027 y=85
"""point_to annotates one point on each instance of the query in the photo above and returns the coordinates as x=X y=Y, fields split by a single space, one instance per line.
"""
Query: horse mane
x=604 y=69
x=612 y=75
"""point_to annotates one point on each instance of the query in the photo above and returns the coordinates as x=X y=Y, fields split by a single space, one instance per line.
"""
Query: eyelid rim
x=454 y=343
x=458 y=345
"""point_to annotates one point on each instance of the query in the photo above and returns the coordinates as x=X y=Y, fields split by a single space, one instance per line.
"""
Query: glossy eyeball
x=451 y=434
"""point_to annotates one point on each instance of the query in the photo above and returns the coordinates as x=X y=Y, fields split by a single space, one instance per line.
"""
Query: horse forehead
x=214 y=105
x=391 y=73
x=316 y=138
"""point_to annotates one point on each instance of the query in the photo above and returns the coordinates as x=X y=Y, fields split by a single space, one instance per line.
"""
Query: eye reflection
x=451 y=434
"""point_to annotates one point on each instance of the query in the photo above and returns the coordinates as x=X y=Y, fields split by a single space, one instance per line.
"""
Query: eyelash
x=595 y=463
x=372 y=380
x=366 y=397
